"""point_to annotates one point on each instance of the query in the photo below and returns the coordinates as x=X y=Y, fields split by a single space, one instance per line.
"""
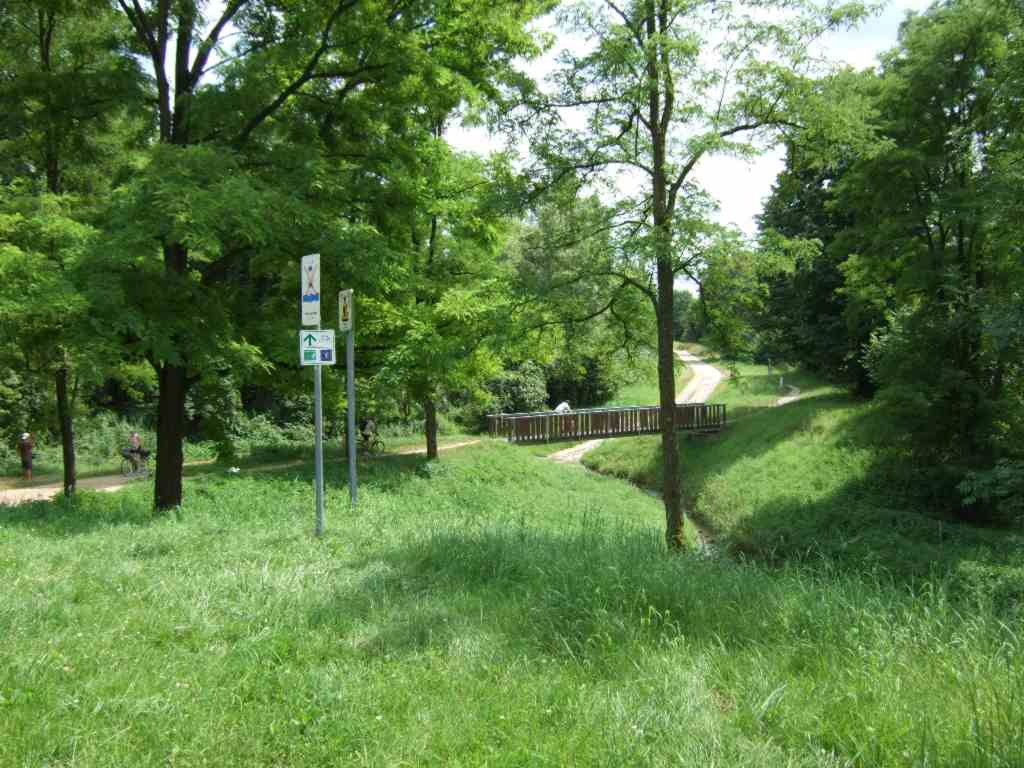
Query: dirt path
x=449 y=447
x=110 y=483
x=705 y=378
x=794 y=394
x=48 y=491
x=575 y=453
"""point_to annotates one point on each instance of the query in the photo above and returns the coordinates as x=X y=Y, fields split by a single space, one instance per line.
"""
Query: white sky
x=740 y=186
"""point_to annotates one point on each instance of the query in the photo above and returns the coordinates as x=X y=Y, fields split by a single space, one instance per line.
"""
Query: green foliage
x=99 y=439
x=582 y=382
x=917 y=289
x=999 y=491
x=521 y=390
x=685 y=317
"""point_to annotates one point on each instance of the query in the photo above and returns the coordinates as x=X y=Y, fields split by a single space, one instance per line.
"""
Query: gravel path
x=705 y=378
x=112 y=483
x=575 y=453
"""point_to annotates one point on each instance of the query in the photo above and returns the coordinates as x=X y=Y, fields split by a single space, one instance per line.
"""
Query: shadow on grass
x=556 y=596
x=91 y=510
x=589 y=597
x=84 y=513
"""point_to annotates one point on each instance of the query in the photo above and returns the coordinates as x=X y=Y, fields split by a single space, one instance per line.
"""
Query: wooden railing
x=546 y=426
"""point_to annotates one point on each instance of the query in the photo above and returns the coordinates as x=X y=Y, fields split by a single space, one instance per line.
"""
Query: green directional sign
x=316 y=348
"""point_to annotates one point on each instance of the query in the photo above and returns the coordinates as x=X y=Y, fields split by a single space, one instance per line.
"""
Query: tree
x=68 y=92
x=666 y=84
x=928 y=223
x=231 y=103
x=682 y=316
x=808 y=316
x=441 y=325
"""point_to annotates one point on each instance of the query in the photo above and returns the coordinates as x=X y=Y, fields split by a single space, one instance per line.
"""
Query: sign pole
x=350 y=368
x=346 y=324
x=316 y=350
x=319 y=450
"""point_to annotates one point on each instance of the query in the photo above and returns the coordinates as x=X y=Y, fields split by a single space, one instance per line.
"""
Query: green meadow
x=493 y=609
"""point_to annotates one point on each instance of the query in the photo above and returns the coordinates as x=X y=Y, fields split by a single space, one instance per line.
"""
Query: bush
x=998 y=492
x=260 y=431
x=520 y=390
x=587 y=382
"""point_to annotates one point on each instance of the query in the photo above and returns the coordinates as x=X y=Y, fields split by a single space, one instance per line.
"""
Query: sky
x=740 y=186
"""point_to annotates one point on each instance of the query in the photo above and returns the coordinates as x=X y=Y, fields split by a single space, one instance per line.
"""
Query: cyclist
x=135 y=453
x=367 y=430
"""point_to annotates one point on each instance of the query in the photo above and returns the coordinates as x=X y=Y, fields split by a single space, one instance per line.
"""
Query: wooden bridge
x=590 y=423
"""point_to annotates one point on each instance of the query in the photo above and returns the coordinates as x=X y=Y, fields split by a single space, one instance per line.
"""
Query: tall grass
x=491 y=609
x=822 y=479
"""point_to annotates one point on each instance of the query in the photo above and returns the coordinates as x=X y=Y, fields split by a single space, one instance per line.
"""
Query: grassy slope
x=493 y=609
x=645 y=390
x=820 y=477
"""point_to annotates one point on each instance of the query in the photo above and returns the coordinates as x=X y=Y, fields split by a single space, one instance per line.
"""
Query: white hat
x=25 y=435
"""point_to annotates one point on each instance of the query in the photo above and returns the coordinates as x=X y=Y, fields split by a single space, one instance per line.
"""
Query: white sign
x=316 y=348
x=310 y=293
x=345 y=310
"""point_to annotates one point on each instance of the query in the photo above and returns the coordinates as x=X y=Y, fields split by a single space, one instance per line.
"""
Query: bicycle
x=134 y=470
x=370 y=444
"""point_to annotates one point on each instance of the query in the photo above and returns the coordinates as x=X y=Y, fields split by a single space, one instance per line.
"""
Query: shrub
x=523 y=389
x=998 y=492
x=584 y=383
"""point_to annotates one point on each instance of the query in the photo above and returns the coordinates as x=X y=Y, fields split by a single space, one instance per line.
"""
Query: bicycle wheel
x=376 y=445
x=127 y=468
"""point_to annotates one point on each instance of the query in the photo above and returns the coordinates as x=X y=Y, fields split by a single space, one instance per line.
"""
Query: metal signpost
x=346 y=326
x=316 y=348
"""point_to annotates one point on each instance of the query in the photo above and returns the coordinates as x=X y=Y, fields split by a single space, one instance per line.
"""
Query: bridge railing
x=589 y=423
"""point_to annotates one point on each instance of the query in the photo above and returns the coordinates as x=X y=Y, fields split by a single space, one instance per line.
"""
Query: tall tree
x=928 y=223
x=227 y=86
x=666 y=84
x=67 y=88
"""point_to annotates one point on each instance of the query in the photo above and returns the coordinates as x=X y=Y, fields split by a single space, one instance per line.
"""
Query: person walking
x=26 y=447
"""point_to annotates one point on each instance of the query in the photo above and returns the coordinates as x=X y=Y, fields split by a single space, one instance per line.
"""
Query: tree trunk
x=170 y=420
x=430 y=412
x=674 y=524
x=170 y=432
x=67 y=434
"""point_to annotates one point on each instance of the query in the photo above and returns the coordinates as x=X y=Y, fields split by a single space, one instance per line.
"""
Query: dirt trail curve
x=112 y=483
x=705 y=378
x=794 y=394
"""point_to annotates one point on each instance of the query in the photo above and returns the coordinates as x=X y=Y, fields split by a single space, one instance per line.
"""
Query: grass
x=201 y=457
x=489 y=609
x=822 y=479
x=644 y=391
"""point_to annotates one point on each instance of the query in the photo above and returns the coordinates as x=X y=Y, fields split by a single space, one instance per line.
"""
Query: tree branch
x=306 y=75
